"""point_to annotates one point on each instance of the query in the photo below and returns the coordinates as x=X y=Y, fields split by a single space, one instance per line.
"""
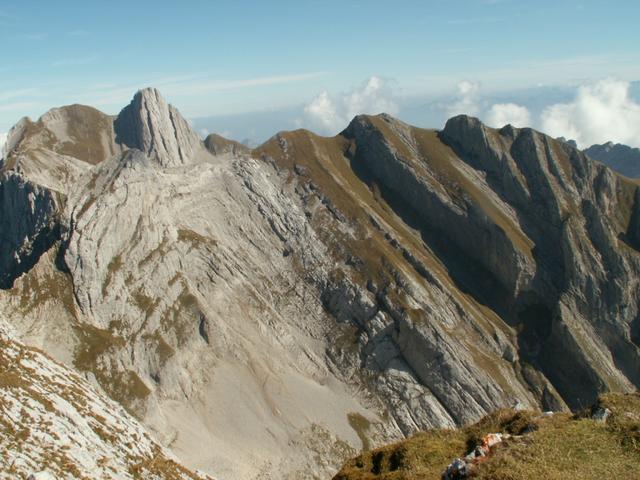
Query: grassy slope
x=558 y=447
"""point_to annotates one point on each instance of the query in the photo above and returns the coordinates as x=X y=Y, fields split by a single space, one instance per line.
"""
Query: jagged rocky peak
x=467 y=131
x=472 y=136
x=150 y=124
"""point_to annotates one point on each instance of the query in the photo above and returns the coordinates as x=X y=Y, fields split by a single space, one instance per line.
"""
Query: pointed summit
x=153 y=126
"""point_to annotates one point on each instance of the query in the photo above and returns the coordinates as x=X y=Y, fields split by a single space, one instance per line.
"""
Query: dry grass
x=160 y=466
x=87 y=127
x=114 y=266
x=217 y=144
x=423 y=456
x=195 y=239
x=551 y=448
x=51 y=286
x=164 y=351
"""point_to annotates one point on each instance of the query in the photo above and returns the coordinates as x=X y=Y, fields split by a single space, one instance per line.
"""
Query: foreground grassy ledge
x=561 y=446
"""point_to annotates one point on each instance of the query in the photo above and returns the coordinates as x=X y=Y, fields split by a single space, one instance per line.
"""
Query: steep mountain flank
x=618 y=157
x=267 y=314
x=536 y=238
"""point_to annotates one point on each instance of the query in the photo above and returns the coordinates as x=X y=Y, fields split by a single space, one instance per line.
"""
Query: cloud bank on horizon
x=599 y=112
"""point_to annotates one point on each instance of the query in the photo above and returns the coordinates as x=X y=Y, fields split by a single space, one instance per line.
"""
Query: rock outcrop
x=268 y=313
x=156 y=128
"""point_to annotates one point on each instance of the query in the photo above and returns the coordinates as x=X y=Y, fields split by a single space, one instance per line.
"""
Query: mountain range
x=621 y=158
x=270 y=312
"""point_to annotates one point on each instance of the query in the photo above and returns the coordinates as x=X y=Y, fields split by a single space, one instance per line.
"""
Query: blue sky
x=230 y=59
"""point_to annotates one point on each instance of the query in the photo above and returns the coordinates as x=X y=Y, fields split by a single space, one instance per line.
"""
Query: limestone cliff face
x=269 y=313
x=28 y=225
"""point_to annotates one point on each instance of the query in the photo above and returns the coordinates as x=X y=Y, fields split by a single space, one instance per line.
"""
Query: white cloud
x=330 y=114
x=323 y=111
x=502 y=114
x=600 y=112
x=467 y=101
x=3 y=139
